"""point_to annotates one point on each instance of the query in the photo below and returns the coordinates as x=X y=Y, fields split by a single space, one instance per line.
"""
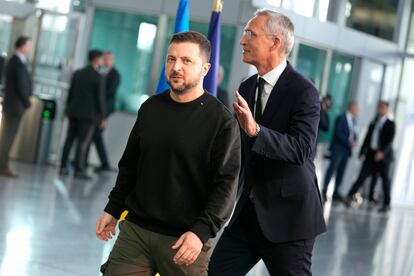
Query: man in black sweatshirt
x=178 y=174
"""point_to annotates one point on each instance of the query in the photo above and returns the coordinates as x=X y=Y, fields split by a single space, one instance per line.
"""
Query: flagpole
x=218 y=6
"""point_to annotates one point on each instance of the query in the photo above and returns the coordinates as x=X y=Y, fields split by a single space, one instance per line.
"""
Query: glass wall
x=5 y=32
x=131 y=38
x=376 y=17
x=311 y=62
x=339 y=86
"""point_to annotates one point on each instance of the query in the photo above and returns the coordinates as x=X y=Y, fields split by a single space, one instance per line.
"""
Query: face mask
x=102 y=70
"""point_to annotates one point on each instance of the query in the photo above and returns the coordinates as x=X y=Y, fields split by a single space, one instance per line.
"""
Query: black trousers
x=82 y=131
x=243 y=244
x=337 y=165
x=372 y=168
x=9 y=127
x=100 y=147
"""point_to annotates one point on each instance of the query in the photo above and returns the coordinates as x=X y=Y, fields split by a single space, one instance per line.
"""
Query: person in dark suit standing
x=85 y=108
x=378 y=152
x=279 y=210
x=326 y=104
x=17 y=92
x=222 y=93
x=2 y=66
x=343 y=141
x=112 y=81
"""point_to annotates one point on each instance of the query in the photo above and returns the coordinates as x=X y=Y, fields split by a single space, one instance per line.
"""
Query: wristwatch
x=257 y=130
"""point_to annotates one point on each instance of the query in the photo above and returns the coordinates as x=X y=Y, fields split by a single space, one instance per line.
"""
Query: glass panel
x=56 y=48
x=410 y=39
x=302 y=7
x=376 y=17
x=311 y=62
x=228 y=36
x=5 y=32
x=339 y=85
x=131 y=38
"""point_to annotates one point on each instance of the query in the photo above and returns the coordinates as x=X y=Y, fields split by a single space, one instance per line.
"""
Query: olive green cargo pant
x=140 y=252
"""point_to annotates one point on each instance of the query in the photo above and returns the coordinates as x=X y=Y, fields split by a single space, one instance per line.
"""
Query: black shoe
x=384 y=209
x=64 y=171
x=83 y=176
x=338 y=198
x=103 y=169
x=347 y=201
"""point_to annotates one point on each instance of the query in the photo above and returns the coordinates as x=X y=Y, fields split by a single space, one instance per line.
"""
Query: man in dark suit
x=222 y=93
x=2 y=65
x=378 y=152
x=112 y=80
x=279 y=210
x=17 y=92
x=326 y=104
x=85 y=108
x=343 y=141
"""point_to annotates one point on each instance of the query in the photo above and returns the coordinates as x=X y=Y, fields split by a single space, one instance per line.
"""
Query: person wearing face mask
x=378 y=154
x=17 y=92
x=112 y=80
x=85 y=108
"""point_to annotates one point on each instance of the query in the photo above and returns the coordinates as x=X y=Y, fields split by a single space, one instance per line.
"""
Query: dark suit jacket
x=340 y=141
x=324 y=120
x=112 y=81
x=386 y=137
x=277 y=169
x=86 y=98
x=18 y=87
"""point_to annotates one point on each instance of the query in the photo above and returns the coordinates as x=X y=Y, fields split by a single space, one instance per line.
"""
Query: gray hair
x=279 y=24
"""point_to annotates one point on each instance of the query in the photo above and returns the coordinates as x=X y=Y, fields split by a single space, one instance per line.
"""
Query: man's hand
x=244 y=115
x=189 y=247
x=354 y=144
x=105 y=226
x=103 y=124
x=379 y=156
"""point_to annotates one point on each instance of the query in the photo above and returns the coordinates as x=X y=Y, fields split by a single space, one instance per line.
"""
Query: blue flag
x=182 y=22
x=210 y=82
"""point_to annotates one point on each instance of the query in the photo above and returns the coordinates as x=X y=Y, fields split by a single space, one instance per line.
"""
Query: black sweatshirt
x=180 y=168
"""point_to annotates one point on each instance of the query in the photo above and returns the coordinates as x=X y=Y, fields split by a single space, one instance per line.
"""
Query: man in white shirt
x=378 y=152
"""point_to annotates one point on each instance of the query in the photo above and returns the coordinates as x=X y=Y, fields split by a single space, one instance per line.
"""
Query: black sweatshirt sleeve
x=225 y=165
x=126 y=179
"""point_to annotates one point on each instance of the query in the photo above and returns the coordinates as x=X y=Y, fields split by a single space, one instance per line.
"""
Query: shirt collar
x=273 y=75
x=22 y=57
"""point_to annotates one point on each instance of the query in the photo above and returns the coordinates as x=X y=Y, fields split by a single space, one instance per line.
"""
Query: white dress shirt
x=375 y=134
x=270 y=78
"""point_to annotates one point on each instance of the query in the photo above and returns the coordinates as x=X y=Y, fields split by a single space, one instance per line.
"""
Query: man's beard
x=183 y=88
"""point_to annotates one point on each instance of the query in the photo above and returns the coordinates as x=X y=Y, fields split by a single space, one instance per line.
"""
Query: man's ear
x=277 y=43
x=206 y=67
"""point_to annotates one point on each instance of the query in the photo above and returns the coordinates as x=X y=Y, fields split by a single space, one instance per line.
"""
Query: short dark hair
x=194 y=37
x=382 y=102
x=94 y=54
x=21 y=41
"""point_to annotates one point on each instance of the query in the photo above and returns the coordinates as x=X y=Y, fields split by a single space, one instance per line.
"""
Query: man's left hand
x=189 y=247
x=379 y=156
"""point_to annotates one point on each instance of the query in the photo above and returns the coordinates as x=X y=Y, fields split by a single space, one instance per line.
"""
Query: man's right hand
x=105 y=226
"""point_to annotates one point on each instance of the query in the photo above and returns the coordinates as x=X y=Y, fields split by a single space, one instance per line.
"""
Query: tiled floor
x=47 y=228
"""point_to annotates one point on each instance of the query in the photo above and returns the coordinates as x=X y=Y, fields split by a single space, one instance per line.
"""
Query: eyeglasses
x=250 y=35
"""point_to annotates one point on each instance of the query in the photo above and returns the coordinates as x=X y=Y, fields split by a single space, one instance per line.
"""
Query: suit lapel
x=250 y=91
x=277 y=95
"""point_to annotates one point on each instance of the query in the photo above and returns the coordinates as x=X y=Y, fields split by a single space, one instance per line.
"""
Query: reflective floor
x=47 y=228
